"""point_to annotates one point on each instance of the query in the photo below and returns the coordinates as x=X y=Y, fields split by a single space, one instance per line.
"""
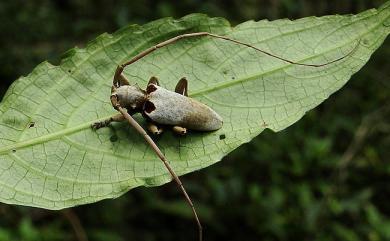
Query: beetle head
x=128 y=96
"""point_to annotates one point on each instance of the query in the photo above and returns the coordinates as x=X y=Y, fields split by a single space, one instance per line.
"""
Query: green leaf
x=60 y=162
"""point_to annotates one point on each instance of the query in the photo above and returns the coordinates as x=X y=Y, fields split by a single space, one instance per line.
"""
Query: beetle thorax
x=130 y=96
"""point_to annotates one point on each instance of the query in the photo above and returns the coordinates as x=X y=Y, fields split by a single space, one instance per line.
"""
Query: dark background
x=324 y=178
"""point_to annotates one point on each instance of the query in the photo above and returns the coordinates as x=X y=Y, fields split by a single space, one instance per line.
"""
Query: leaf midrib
x=50 y=136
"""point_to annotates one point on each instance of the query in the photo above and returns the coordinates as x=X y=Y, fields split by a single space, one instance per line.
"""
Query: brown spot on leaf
x=222 y=137
x=151 y=88
x=31 y=124
x=149 y=107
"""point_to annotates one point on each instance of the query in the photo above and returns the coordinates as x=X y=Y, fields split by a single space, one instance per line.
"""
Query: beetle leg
x=179 y=130
x=119 y=78
x=153 y=128
x=182 y=87
x=105 y=123
x=153 y=80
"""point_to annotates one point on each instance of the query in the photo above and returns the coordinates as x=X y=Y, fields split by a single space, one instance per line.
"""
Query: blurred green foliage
x=324 y=178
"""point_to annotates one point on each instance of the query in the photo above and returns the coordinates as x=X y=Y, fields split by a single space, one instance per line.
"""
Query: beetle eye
x=115 y=96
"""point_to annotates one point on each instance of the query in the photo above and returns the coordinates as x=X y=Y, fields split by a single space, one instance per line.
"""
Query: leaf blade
x=61 y=162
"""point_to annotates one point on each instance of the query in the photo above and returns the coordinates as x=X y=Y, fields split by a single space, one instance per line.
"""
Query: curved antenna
x=198 y=34
x=159 y=153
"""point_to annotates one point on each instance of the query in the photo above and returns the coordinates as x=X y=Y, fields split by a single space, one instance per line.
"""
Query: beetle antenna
x=159 y=153
x=198 y=34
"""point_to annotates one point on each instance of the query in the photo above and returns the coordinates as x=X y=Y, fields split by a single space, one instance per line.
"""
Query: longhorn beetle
x=163 y=107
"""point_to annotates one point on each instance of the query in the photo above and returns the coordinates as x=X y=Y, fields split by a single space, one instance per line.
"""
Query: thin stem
x=157 y=150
